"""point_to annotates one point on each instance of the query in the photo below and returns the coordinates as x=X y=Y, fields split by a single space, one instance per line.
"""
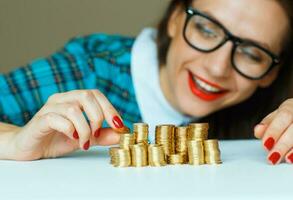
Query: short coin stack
x=173 y=145
x=156 y=155
x=212 y=152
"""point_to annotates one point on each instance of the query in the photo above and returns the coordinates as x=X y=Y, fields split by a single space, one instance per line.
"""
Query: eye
x=205 y=30
x=252 y=54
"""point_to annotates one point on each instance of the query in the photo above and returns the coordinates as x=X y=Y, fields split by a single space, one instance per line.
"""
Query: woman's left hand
x=276 y=132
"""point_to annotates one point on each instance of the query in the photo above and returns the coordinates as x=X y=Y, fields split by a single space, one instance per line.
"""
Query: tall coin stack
x=165 y=136
x=212 y=152
x=195 y=152
x=141 y=131
x=180 y=147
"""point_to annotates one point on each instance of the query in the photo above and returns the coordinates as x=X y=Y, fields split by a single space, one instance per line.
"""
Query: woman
x=226 y=62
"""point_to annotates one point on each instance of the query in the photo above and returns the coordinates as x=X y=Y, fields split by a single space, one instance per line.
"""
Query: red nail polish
x=269 y=143
x=274 y=157
x=290 y=157
x=97 y=133
x=117 y=122
x=75 y=135
x=86 y=145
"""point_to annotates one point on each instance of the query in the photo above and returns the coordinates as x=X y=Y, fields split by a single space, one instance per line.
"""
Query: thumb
x=106 y=136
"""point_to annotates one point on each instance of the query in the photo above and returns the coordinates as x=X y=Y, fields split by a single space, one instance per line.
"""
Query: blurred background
x=36 y=28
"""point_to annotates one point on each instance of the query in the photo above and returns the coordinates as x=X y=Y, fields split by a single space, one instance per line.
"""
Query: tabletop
x=244 y=174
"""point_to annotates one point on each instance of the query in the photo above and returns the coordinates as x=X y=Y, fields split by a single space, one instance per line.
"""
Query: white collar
x=154 y=107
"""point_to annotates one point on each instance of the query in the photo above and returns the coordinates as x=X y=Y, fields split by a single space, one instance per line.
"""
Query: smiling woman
x=208 y=61
x=208 y=34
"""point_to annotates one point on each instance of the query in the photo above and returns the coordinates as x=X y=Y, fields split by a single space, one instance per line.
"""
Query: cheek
x=178 y=55
x=243 y=89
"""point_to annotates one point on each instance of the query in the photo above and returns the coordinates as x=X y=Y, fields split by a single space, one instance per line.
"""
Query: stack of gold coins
x=195 y=152
x=141 y=131
x=112 y=152
x=178 y=158
x=181 y=139
x=212 y=152
x=126 y=140
x=197 y=131
x=165 y=137
x=120 y=157
x=174 y=145
x=156 y=155
x=139 y=155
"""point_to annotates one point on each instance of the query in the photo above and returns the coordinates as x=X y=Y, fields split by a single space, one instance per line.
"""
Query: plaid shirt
x=96 y=61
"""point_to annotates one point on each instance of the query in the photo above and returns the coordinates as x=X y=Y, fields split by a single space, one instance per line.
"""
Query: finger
x=260 y=128
x=107 y=137
x=275 y=129
x=289 y=156
x=268 y=119
x=284 y=144
x=87 y=103
x=111 y=115
x=73 y=113
x=45 y=125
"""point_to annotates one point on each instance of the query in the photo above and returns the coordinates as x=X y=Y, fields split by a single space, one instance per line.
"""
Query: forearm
x=7 y=134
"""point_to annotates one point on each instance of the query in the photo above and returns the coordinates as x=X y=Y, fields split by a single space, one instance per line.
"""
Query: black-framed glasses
x=205 y=34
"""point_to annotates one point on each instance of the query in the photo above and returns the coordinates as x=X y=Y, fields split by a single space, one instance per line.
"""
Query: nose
x=218 y=63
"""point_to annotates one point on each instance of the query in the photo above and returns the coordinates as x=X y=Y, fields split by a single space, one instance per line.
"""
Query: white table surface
x=244 y=174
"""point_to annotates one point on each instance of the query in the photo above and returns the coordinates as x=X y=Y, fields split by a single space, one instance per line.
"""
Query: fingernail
x=75 y=135
x=86 y=146
x=274 y=157
x=290 y=157
x=117 y=122
x=97 y=133
x=269 y=143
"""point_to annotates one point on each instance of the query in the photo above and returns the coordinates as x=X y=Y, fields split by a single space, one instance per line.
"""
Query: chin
x=196 y=109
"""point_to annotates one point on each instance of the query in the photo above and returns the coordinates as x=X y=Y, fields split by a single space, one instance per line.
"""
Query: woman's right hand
x=60 y=126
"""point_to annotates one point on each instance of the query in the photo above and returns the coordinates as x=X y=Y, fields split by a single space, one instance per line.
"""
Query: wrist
x=7 y=141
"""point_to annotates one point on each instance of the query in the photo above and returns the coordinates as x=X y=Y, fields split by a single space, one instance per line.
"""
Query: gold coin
x=126 y=140
x=139 y=155
x=141 y=131
x=156 y=155
x=120 y=157
x=195 y=152
x=174 y=159
x=164 y=136
x=180 y=138
x=212 y=152
x=197 y=131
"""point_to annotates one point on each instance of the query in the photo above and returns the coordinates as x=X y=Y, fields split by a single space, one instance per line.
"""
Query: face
x=198 y=83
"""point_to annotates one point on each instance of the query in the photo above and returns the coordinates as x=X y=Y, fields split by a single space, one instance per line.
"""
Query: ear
x=174 y=22
x=269 y=79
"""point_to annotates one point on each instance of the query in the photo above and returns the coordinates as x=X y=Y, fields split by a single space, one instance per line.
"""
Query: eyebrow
x=262 y=44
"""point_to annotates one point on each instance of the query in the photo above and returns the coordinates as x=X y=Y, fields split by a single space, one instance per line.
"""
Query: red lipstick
x=201 y=92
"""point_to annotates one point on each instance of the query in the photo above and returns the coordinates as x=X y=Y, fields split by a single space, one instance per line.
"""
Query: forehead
x=262 y=20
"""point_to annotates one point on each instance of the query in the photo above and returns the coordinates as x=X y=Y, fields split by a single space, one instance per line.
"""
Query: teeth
x=206 y=87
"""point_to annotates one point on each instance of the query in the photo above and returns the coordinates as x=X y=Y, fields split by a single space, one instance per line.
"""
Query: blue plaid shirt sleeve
x=84 y=63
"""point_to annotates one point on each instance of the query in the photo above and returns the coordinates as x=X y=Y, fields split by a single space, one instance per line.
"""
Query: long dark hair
x=238 y=121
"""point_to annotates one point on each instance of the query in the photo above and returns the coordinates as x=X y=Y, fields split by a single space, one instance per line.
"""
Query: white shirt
x=154 y=107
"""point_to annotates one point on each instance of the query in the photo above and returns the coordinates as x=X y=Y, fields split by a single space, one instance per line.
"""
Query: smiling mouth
x=203 y=89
